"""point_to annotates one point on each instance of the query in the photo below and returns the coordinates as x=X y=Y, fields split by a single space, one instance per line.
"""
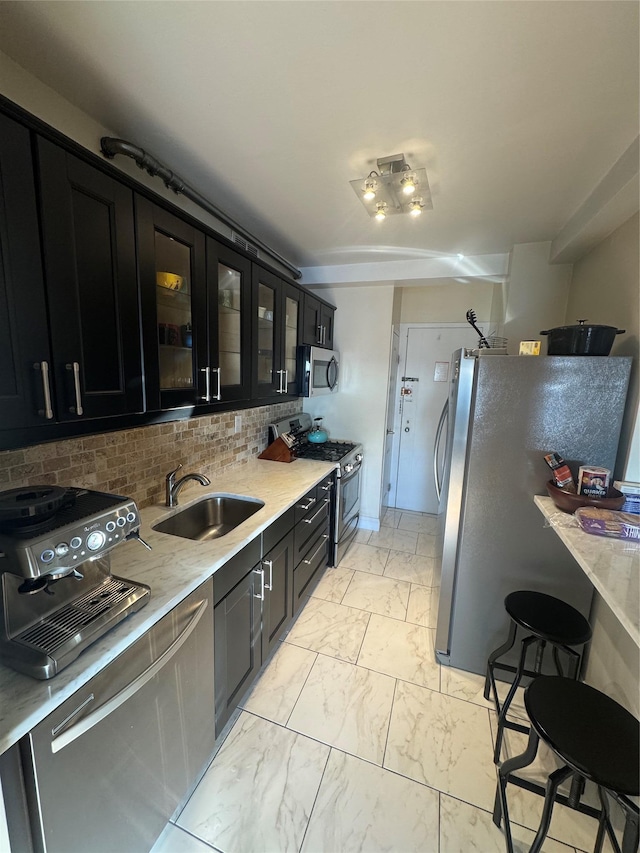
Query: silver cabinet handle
x=43 y=367
x=270 y=564
x=309 y=505
x=261 y=573
x=286 y=382
x=207 y=384
x=324 y=336
x=75 y=367
x=325 y=536
x=317 y=513
x=131 y=689
x=319 y=334
x=328 y=487
x=217 y=371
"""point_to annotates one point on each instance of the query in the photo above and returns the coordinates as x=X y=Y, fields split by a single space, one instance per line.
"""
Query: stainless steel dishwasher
x=110 y=766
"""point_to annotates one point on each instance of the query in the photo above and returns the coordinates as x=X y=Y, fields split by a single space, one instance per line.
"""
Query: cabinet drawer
x=306 y=506
x=310 y=569
x=306 y=531
x=235 y=569
x=278 y=530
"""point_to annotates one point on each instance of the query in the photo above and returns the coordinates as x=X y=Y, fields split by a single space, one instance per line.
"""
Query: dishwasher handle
x=111 y=705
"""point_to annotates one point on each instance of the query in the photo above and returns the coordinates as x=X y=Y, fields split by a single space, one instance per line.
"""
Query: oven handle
x=131 y=689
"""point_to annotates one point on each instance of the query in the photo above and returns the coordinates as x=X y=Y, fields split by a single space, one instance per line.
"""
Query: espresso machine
x=57 y=592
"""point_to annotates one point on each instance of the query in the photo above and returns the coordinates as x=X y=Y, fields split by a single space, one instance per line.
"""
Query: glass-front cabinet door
x=172 y=277
x=276 y=325
x=266 y=325
x=292 y=302
x=229 y=285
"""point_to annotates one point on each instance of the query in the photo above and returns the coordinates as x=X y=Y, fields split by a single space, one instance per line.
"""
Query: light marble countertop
x=612 y=565
x=172 y=569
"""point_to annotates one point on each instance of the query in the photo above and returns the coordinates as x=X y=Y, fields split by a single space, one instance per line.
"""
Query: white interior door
x=423 y=391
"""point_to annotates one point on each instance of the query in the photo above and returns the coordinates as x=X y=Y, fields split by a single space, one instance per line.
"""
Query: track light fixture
x=392 y=188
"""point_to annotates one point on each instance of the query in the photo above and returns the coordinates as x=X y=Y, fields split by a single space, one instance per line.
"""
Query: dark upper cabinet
x=25 y=359
x=173 y=292
x=317 y=322
x=91 y=286
x=275 y=335
x=229 y=317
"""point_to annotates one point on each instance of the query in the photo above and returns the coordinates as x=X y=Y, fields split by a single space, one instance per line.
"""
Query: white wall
x=357 y=411
x=605 y=289
x=536 y=294
x=447 y=302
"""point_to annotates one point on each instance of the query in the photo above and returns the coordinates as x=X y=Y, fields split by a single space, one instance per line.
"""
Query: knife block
x=278 y=451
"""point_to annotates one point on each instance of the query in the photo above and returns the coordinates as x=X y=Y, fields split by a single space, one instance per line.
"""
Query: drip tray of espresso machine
x=58 y=593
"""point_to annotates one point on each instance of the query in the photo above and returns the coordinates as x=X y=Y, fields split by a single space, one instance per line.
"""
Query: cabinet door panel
x=24 y=340
x=172 y=269
x=266 y=326
x=237 y=646
x=89 y=250
x=229 y=290
x=278 y=602
x=291 y=312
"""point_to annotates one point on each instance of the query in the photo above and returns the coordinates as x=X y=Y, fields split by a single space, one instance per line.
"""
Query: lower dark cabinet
x=277 y=609
x=238 y=653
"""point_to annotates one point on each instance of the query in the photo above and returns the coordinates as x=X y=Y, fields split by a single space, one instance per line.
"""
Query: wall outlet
x=238 y=423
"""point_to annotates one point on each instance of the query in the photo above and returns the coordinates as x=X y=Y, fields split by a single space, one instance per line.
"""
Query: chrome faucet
x=172 y=487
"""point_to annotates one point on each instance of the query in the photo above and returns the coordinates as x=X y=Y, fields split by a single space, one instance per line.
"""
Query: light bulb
x=380 y=211
x=408 y=185
x=369 y=190
x=415 y=208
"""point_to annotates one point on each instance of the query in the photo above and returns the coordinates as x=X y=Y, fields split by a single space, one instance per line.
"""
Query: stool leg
x=537 y=667
x=493 y=657
x=553 y=783
x=500 y=808
x=556 y=660
x=512 y=692
x=631 y=835
x=577 y=790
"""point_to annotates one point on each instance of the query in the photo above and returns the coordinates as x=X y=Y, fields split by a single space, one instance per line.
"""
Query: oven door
x=347 y=511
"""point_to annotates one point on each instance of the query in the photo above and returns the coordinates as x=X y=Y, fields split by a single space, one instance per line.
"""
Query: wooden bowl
x=568 y=502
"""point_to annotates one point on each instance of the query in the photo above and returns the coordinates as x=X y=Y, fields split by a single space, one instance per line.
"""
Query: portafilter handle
x=135 y=534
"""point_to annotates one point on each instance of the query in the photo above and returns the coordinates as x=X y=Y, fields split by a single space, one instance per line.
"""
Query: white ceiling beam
x=614 y=200
x=383 y=272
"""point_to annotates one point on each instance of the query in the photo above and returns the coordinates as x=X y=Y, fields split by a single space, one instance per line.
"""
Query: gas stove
x=335 y=450
x=348 y=456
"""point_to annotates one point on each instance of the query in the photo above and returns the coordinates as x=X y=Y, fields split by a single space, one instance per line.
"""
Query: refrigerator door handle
x=436 y=449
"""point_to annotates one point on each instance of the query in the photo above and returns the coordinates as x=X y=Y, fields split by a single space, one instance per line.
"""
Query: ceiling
x=516 y=109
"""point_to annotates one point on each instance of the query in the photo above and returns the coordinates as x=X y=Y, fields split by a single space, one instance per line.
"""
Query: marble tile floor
x=355 y=739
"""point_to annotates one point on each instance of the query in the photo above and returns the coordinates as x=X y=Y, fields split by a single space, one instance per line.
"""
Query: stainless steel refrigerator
x=503 y=414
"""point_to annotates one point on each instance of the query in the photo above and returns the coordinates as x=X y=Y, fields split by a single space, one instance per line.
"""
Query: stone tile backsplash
x=135 y=462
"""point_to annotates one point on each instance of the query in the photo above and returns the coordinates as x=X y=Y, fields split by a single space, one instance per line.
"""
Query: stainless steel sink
x=209 y=518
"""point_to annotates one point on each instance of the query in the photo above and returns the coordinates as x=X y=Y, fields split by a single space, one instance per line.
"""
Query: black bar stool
x=548 y=620
x=597 y=739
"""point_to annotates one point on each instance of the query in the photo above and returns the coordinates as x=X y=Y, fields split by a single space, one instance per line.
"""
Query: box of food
x=593 y=482
x=607 y=522
x=631 y=491
x=561 y=472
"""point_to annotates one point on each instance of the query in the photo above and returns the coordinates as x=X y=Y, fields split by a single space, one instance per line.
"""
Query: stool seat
x=590 y=732
x=549 y=618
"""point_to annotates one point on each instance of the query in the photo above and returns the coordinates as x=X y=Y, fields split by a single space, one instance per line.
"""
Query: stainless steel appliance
x=345 y=513
x=57 y=592
x=108 y=768
x=503 y=414
x=318 y=370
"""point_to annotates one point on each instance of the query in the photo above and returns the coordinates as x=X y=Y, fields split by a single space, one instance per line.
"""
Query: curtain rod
x=110 y=146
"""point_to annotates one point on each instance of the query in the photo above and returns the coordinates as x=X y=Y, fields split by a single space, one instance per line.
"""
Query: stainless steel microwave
x=318 y=370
